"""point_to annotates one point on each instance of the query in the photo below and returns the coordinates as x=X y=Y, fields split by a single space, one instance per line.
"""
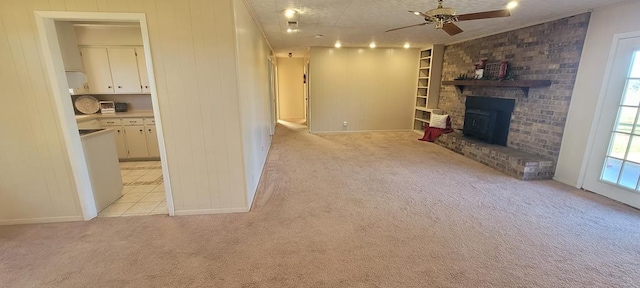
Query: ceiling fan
x=443 y=18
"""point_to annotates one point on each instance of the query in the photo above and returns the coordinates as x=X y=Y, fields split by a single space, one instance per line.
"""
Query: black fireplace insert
x=488 y=118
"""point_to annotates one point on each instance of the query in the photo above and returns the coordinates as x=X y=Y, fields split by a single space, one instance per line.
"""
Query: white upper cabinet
x=96 y=66
x=142 y=70
x=115 y=70
x=124 y=70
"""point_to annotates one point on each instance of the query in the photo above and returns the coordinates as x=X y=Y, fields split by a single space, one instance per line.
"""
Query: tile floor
x=143 y=192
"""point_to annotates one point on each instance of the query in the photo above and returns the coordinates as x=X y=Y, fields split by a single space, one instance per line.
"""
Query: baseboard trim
x=357 y=131
x=566 y=182
x=210 y=211
x=41 y=220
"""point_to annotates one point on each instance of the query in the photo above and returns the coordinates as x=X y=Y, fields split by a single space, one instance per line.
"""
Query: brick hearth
x=516 y=163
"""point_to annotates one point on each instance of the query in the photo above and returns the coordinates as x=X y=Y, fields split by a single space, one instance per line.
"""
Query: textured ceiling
x=355 y=23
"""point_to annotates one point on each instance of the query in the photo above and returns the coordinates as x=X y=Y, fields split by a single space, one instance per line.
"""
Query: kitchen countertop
x=86 y=117
x=95 y=134
x=133 y=114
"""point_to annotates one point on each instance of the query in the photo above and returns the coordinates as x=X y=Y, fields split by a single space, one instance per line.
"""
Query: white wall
x=253 y=89
x=604 y=24
x=194 y=53
x=371 y=89
x=291 y=88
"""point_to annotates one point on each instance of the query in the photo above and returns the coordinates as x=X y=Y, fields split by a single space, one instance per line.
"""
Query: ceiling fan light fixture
x=289 y=13
x=512 y=4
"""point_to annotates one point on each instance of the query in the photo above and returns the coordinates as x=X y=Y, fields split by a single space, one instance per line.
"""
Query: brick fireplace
x=548 y=51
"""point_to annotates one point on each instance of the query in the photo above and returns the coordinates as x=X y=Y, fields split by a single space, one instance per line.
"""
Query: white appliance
x=107 y=107
x=104 y=169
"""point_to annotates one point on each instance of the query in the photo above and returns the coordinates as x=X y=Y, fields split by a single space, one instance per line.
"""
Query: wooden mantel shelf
x=522 y=84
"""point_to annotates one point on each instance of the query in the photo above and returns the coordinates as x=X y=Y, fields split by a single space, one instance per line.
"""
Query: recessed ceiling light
x=512 y=4
x=338 y=45
x=289 y=30
x=372 y=45
x=319 y=36
x=407 y=46
x=289 y=13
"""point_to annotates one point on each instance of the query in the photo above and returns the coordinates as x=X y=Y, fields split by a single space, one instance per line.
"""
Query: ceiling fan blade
x=415 y=25
x=451 y=29
x=484 y=15
x=418 y=13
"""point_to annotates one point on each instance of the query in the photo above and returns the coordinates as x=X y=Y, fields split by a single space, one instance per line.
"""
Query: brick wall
x=549 y=51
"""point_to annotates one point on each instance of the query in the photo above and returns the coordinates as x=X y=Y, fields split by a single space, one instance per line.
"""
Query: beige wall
x=604 y=24
x=253 y=87
x=371 y=89
x=108 y=35
x=291 y=88
x=194 y=53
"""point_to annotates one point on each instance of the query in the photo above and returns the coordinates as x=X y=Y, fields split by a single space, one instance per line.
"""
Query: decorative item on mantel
x=488 y=71
x=479 y=69
x=495 y=74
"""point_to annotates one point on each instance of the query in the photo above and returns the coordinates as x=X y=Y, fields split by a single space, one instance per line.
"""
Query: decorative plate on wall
x=87 y=104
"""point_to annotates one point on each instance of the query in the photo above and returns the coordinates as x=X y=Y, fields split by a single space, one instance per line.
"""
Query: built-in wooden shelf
x=522 y=84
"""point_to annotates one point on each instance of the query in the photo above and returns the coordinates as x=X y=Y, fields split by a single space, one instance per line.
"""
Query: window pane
x=611 y=170
x=626 y=117
x=618 y=145
x=631 y=95
x=634 y=150
x=635 y=67
x=630 y=173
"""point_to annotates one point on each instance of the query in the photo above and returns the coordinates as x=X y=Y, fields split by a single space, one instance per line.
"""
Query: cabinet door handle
x=149 y=130
x=108 y=86
x=140 y=130
x=119 y=86
x=146 y=86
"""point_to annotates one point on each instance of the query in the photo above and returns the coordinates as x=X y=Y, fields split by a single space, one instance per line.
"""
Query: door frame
x=630 y=199
x=273 y=103
x=52 y=57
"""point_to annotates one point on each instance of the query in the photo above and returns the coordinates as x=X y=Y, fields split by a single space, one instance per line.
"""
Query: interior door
x=613 y=169
x=306 y=94
x=272 y=96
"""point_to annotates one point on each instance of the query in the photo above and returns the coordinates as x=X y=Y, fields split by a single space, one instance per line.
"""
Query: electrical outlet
x=344 y=124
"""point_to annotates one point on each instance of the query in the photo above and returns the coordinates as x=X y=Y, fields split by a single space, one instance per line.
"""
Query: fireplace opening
x=488 y=119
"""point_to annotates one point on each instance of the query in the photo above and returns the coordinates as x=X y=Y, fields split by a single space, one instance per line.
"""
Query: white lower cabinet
x=152 y=138
x=136 y=141
x=135 y=137
x=121 y=143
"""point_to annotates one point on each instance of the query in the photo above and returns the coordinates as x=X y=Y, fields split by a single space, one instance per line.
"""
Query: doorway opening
x=105 y=138
x=292 y=84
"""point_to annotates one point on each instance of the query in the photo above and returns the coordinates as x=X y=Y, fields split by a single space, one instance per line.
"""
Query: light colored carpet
x=350 y=210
